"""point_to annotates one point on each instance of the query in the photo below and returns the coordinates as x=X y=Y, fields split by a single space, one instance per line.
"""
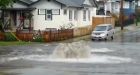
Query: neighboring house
x=42 y=14
x=113 y=6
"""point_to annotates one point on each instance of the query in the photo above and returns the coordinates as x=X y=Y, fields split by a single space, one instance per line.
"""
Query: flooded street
x=118 y=57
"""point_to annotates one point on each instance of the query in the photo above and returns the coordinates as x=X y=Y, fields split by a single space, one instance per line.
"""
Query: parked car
x=103 y=31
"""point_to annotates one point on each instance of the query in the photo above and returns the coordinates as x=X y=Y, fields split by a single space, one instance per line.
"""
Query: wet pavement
x=118 y=57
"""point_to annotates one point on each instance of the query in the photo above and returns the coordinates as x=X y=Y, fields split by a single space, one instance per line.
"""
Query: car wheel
x=105 y=39
x=92 y=39
x=112 y=37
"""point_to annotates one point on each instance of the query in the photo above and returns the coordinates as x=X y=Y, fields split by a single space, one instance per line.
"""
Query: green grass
x=6 y=43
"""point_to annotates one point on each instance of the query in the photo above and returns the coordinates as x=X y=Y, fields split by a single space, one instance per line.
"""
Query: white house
x=42 y=14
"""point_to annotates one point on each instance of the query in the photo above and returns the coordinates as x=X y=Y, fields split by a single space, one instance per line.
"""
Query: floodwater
x=105 y=59
x=120 y=57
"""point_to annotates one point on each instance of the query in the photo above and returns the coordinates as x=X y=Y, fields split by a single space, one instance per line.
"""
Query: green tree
x=5 y=3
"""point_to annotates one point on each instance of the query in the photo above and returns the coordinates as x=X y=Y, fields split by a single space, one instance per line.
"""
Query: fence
x=81 y=31
x=1 y=36
x=57 y=35
x=102 y=20
x=25 y=36
x=52 y=34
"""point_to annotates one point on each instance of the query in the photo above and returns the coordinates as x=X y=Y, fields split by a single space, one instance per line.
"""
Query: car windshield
x=100 y=28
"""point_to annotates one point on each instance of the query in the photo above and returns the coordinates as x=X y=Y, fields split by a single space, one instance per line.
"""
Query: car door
x=110 y=31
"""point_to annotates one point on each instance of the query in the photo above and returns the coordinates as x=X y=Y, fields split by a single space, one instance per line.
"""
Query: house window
x=70 y=15
x=65 y=11
x=41 y=11
x=84 y=15
x=48 y=14
x=55 y=12
x=89 y=14
x=75 y=15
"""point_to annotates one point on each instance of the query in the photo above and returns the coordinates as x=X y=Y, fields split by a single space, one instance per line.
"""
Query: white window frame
x=48 y=14
x=89 y=14
x=70 y=15
x=41 y=11
x=75 y=15
x=84 y=15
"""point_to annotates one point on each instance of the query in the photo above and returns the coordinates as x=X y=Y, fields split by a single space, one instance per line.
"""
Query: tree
x=5 y=3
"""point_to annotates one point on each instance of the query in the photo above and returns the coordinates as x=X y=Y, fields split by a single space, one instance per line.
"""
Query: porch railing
x=20 y=26
x=5 y=25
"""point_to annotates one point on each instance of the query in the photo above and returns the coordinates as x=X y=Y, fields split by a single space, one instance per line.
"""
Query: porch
x=17 y=19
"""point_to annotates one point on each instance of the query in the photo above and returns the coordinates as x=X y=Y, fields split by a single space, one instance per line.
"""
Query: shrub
x=9 y=37
x=38 y=39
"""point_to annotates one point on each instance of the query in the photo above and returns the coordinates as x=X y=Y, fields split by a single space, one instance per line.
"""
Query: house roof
x=28 y=2
x=70 y=3
x=18 y=9
x=73 y=3
x=77 y=3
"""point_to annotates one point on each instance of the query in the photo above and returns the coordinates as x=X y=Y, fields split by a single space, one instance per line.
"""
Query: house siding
x=114 y=7
x=39 y=20
x=61 y=19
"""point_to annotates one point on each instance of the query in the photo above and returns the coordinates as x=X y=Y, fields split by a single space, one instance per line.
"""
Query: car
x=103 y=31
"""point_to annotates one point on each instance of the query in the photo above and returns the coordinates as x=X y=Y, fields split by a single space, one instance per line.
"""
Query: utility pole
x=136 y=14
x=121 y=14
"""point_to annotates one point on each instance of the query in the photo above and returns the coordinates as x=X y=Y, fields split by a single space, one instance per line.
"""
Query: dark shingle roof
x=77 y=3
x=26 y=1
x=71 y=3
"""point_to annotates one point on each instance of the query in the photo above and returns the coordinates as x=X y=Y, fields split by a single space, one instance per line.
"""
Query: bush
x=9 y=37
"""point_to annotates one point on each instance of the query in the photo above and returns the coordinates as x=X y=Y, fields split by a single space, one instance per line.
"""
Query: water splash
x=103 y=50
x=76 y=52
x=71 y=50
x=94 y=59
x=102 y=59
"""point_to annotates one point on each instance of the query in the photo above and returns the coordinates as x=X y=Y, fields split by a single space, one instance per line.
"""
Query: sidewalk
x=131 y=27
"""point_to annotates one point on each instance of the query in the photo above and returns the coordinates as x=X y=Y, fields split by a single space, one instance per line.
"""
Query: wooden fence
x=2 y=36
x=102 y=20
x=25 y=36
x=57 y=35
x=81 y=31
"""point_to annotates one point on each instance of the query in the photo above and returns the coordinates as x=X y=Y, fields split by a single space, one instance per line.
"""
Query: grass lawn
x=7 y=43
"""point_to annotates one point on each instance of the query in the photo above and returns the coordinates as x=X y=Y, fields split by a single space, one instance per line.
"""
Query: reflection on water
x=128 y=37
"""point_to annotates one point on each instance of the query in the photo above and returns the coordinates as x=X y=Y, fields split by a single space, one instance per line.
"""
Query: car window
x=101 y=28
x=110 y=27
